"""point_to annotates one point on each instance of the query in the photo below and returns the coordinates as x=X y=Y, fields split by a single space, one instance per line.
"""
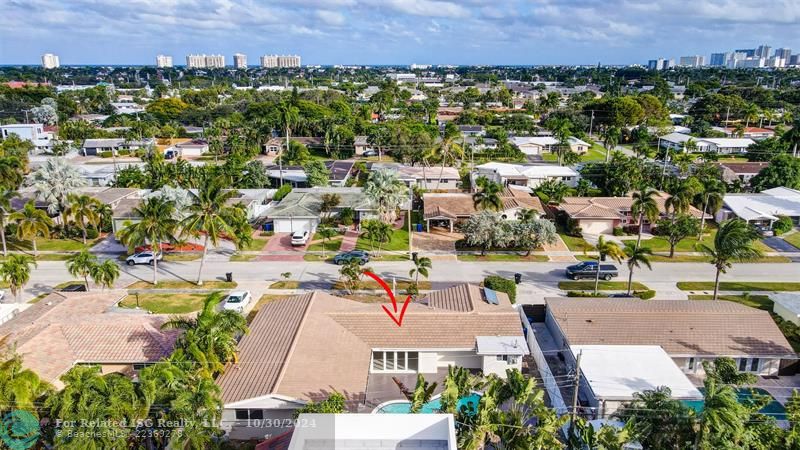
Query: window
x=509 y=359
x=754 y=365
x=249 y=414
x=742 y=364
x=139 y=366
x=690 y=365
x=242 y=414
x=395 y=361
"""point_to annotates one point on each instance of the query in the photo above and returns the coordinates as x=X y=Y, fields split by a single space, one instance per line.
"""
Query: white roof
x=768 y=204
x=501 y=345
x=616 y=372
x=534 y=140
x=730 y=142
x=374 y=431
x=677 y=138
x=516 y=170
x=788 y=300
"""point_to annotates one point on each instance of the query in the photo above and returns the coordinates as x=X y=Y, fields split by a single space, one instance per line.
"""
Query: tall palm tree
x=157 y=224
x=387 y=193
x=200 y=400
x=81 y=264
x=527 y=215
x=288 y=116
x=84 y=210
x=611 y=137
x=606 y=249
x=326 y=233
x=637 y=256
x=447 y=152
x=105 y=273
x=6 y=195
x=681 y=200
x=54 y=181
x=21 y=387
x=32 y=223
x=421 y=267
x=733 y=242
x=16 y=271
x=488 y=195
x=721 y=423
x=712 y=202
x=644 y=206
x=211 y=216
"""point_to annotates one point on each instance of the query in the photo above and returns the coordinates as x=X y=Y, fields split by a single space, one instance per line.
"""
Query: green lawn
x=51 y=245
x=739 y=286
x=793 y=239
x=238 y=257
x=256 y=245
x=398 y=242
x=576 y=244
x=596 y=153
x=372 y=284
x=689 y=244
x=503 y=257
x=603 y=286
x=180 y=284
x=332 y=245
x=165 y=303
x=46 y=256
x=753 y=301
x=182 y=256
x=285 y=284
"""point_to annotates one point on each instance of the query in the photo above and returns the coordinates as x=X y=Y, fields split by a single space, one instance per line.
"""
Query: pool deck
x=381 y=387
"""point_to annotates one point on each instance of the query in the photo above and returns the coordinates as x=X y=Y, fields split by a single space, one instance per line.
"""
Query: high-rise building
x=794 y=60
x=748 y=52
x=50 y=61
x=280 y=61
x=719 y=59
x=783 y=53
x=763 y=51
x=655 y=64
x=240 y=61
x=204 y=61
x=163 y=61
x=692 y=61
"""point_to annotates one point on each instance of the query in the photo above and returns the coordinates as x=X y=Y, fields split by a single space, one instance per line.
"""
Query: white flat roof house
x=762 y=208
x=429 y=178
x=677 y=141
x=374 y=431
x=536 y=145
x=526 y=175
x=612 y=374
x=33 y=132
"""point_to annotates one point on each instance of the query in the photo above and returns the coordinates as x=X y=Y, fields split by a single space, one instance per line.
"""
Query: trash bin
x=517 y=278
x=267 y=227
x=419 y=228
x=229 y=276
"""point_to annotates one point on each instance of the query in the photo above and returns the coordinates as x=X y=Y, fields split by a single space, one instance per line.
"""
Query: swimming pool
x=432 y=407
x=773 y=408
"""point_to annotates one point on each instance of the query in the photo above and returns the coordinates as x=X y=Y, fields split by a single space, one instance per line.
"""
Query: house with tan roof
x=530 y=175
x=449 y=209
x=304 y=348
x=68 y=328
x=689 y=331
x=600 y=215
x=430 y=178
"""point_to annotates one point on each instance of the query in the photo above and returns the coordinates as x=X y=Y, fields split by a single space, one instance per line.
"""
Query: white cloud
x=331 y=17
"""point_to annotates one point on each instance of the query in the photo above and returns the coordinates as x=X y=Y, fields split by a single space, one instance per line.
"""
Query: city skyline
x=368 y=32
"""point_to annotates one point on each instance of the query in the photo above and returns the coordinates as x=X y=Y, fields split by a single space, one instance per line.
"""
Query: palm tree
x=326 y=233
x=611 y=137
x=644 y=206
x=54 y=181
x=157 y=224
x=448 y=151
x=733 y=242
x=637 y=256
x=488 y=195
x=377 y=231
x=606 y=249
x=6 y=195
x=751 y=113
x=84 y=210
x=527 y=215
x=712 y=202
x=211 y=216
x=81 y=264
x=201 y=401
x=16 y=271
x=105 y=273
x=21 y=387
x=423 y=392
x=288 y=116
x=421 y=266
x=386 y=193
x=31 y=223
x=721 y=423
x=562 y=130
x=212 y=335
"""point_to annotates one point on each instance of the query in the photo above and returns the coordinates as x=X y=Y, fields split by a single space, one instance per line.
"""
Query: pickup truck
x=588 y=269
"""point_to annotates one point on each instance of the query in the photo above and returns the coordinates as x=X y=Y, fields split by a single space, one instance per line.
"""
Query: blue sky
x=392 y=31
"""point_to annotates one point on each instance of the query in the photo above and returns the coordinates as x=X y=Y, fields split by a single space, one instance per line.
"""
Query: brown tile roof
x=461 y=205
x=610 y=207
x=295 y=342
x=745 y=167
x=680 y=327
x=64 y=329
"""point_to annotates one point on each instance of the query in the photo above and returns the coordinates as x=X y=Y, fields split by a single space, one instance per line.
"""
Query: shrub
x=124 y=152
x=106 y=154
x=782 y=225
x=92 y=233
x=645 y=295
x=346 y=216
x=500 y=284
x=618 y=231
x=282 y=192
x=580 y=294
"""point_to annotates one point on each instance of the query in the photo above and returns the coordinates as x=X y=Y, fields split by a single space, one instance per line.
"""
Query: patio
x=382 y=388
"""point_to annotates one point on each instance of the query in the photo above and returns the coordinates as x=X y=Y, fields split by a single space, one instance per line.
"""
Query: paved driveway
x=280 y=248
x=781 y=245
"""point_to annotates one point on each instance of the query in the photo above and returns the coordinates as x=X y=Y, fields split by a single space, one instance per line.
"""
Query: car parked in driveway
x=143 y=258
x=368 y=153
x=343 y=258
x=588 y=269
x=237 y=301
x=299 y=238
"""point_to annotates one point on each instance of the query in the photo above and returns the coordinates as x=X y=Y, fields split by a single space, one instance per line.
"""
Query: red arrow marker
x=397 y=318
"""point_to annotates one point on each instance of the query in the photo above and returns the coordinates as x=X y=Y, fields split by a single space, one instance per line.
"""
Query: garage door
x=597 y=226
x=292 y=225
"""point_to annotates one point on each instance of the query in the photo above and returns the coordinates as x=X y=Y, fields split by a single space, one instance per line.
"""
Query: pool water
x=432 y=407
x=773 y=408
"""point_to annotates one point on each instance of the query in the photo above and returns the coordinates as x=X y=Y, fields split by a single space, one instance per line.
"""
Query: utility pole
x=575 y=387
x=591 y=122
x=727 y=115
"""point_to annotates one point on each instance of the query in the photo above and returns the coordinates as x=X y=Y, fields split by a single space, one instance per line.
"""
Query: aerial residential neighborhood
x=400 y=225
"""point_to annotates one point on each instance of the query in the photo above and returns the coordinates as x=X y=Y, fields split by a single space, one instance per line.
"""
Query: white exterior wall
x=432 y=183
x=292 y=225
x=256 y=429
x=466 y=359
x=428 y=362
x=490 y=365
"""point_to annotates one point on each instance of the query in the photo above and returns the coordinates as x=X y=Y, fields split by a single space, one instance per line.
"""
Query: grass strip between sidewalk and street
x=739 y=286
x=181 y=284
x=499 y=257
x=603 y=286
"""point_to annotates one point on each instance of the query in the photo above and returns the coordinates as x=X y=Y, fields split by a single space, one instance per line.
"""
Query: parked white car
x=299 y=238
x=237 y=301
x=143 y=258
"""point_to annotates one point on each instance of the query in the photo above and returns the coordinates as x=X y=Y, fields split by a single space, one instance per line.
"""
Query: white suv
x=237 y=300
x=299 y=238
x=143 y=258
